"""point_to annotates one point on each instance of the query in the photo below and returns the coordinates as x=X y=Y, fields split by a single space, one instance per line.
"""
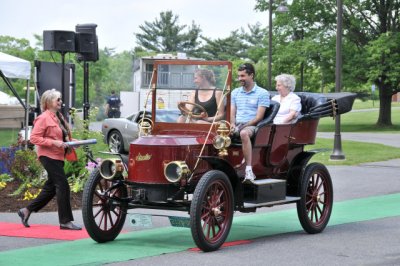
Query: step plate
x=265 y=190
x=248 y=205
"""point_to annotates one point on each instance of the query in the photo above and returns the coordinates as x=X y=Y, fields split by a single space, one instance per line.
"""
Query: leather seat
x=309 y=103
x=269 y=116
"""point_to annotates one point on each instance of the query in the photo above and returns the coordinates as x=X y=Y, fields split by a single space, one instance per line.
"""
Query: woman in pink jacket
x=49 y=134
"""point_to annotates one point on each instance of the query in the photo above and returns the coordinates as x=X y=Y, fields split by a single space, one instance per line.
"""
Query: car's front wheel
x=102 y=215
x=115 y=142
x=211 y=211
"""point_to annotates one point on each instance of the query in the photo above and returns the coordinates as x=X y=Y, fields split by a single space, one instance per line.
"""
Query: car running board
x=248 y=205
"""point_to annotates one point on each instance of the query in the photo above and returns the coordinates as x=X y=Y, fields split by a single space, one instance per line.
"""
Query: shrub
x=4 y=179
x=27 y=170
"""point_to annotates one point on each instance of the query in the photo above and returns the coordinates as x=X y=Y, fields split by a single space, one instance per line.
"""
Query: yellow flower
x=3 y=184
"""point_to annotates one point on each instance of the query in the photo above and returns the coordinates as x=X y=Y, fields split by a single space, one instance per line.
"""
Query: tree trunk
x=385 y=100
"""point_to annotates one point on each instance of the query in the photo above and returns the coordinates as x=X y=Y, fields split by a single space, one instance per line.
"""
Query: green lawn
x=354 y=151
x=360 y=122
x=8 y=137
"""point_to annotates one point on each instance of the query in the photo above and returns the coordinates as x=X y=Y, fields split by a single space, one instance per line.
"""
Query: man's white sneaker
x=249 y=176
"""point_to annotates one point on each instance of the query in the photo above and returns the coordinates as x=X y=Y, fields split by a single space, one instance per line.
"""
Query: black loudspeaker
x=86 y=42
x=48 y=77
x=60 y=41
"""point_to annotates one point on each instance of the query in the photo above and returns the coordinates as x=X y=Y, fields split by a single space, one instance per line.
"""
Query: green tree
x=166 y=35
x=20 y=48
x=229 y=48
x=369 y=54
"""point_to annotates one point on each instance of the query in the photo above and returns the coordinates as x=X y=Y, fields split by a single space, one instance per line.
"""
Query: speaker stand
x=86 y=104
x=63 y=111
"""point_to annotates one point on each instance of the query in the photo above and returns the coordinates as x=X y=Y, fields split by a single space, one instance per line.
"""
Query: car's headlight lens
x=218 y=142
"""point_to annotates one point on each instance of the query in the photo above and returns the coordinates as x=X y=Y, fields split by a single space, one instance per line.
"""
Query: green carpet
x=159 y=241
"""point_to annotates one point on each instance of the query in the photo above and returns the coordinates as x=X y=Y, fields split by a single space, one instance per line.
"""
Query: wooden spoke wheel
x=211 y=211
x=103 y=217
x=316 y=192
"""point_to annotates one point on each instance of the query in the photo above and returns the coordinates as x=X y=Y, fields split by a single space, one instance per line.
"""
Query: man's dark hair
x=113 y=92
x=249 y=68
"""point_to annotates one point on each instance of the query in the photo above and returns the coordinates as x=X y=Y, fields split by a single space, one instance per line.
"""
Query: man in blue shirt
x=248 y=105
x=113 y=105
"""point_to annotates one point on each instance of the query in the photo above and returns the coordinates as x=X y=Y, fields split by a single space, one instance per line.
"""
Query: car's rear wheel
x=211 y=210
x=103 y=217
x=115 y=142
x=316 y=198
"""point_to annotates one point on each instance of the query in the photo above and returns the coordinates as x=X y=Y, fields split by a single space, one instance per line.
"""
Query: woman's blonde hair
x=207 y=74
x=47 y=97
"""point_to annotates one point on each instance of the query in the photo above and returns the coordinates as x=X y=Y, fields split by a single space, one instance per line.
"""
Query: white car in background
x=119 y=132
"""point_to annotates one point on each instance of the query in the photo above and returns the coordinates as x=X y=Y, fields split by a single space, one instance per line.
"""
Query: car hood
x=172 y=140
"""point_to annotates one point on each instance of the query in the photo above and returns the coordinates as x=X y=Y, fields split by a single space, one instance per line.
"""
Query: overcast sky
x=118 y=20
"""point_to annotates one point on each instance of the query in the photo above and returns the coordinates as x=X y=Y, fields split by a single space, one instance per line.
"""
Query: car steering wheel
x=182 y=107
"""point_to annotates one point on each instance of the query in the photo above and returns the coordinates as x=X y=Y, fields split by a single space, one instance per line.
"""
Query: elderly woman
x=207 y=95
x=50 y=134
x=290 y=105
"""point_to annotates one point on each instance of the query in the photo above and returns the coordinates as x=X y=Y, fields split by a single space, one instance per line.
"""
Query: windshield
x=190 y=93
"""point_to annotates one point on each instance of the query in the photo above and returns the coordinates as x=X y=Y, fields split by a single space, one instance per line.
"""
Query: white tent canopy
x=14 y=67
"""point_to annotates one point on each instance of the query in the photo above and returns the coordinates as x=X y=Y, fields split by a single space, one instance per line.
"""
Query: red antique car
x=198 y=168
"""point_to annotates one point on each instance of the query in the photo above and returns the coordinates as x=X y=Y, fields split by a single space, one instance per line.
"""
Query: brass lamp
x=222 y=141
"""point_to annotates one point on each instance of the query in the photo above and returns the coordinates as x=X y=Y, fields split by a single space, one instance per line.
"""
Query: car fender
x=224 y=166
x=296 y=170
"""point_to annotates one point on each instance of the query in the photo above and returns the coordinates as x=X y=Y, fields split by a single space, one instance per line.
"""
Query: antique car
x=198 y=167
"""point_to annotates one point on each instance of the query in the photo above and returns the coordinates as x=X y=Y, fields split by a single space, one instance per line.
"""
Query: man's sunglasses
x=243 y=67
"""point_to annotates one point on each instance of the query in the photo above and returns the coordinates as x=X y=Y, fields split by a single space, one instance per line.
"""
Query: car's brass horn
x=111 y=169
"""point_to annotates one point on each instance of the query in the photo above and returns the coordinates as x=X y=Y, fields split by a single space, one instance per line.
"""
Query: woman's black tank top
x=210 y=105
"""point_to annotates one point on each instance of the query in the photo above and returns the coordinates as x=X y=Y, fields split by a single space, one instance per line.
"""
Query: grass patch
x=8 y=137
x=355 y=152
x=360 y=122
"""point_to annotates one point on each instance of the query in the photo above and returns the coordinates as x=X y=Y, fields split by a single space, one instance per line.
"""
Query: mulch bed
x=13 y=203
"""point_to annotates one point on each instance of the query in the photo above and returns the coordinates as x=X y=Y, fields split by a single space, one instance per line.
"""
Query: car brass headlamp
x=111 y=169
x=175 y=171
x=222 y=140
x=145 y=127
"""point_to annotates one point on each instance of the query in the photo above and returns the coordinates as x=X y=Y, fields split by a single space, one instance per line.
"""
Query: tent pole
x=10 y=86
x=27 y=113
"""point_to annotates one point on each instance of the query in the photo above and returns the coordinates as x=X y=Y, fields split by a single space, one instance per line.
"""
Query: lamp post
x=281 y=8
x=299 y=35
x=337 y=153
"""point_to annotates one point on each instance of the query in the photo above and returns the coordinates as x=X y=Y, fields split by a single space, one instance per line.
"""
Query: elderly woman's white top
x=289 y=103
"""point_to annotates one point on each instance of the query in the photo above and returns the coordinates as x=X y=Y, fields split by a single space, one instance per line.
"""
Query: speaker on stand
x=86 y=50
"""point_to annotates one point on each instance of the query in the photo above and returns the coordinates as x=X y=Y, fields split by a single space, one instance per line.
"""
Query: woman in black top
x=207 y=95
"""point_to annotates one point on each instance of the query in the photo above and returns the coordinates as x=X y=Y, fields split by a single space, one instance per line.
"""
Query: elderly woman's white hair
x=288 y=81
x=47 y=97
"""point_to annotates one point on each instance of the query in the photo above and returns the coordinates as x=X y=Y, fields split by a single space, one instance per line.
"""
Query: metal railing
x=167 y=80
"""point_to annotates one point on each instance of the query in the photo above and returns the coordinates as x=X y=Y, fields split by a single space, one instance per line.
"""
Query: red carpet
x=40 y=231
